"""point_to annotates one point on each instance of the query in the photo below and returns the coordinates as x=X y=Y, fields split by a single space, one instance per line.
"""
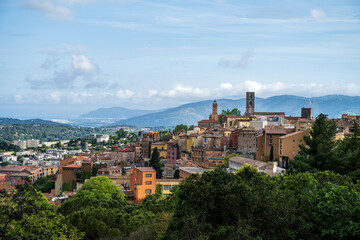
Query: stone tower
x=306 y=113
x=214 y=115
x=250 y=103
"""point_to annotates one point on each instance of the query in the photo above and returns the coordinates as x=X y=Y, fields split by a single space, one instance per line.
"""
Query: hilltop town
x=149 y=163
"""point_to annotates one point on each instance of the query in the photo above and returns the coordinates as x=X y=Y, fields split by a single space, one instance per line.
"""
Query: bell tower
x=214 y=115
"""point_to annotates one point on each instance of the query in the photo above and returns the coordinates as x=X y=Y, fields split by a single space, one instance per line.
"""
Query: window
x=167 y=187
x=293 y=146
x=205 y=139
x=300 y=140
x=147 y=190
x=293 y=140
x=148 y=182
x=148 y=175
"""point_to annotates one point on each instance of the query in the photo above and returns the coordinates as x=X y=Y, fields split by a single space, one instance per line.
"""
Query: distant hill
x=117 y=112
x=30 y=121
x=191 y=113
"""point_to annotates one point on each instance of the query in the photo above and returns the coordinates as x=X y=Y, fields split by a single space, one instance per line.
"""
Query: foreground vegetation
x=214 y=205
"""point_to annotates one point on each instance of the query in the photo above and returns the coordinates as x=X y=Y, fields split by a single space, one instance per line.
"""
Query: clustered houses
x=256 y=138
x=14 y=174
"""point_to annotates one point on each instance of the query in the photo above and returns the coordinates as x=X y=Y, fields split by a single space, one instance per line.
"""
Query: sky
x=63 y=58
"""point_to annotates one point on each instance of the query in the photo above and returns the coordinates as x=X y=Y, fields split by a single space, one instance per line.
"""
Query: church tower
x=250 y=103
x=214 y=115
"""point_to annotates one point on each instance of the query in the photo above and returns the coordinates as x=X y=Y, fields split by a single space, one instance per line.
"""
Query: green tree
x=222 y=205
x=177 y=173
x=271 y=157
x=234 y=111
x=26 y=214
x=66 y=187
x=155 y=163
x=121 y=133
x=180 y=127
x=349 y=152
x=319 y=148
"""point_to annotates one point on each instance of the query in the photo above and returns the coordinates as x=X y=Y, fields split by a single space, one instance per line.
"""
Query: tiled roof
x=207 y=121
x=12 y=168
x=146 y=169
x=73 y=166
x=291 y=134
x=274 y=129
x=249 y=161
x=269 y=113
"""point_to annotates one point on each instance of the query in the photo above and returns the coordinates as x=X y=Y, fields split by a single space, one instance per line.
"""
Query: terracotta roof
x=274 y=129
x=292 y=118
x=82 y=158
x=146 y=169
x=291 y=134
x=12 y=168
x=6 y=186
x=269 y=113
x=73 y=166
x=232 y=116
x=207 y=121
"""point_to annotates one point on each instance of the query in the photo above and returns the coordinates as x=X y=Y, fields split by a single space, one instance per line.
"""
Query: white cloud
x=50 y=10
x=226 y=86
x=56 y=96
x=317 y=14
x=83 y=64
x=123 y=94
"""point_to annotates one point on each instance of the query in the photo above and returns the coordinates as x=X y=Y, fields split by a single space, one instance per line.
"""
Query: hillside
x=117 y=112
x=29 y=121
x=191 y=113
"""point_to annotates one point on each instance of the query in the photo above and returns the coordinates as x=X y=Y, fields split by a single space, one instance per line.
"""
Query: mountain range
x=117 y=112
x=191 y=113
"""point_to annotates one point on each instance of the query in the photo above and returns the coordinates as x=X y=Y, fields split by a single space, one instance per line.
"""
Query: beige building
x=270 y=138
x=167 y=185
x=289 y=145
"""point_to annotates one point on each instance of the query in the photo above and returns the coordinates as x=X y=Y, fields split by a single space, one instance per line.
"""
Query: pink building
x=172 y=152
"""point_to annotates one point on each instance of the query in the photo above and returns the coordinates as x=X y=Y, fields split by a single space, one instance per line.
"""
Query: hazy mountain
x=30 y=121
x=191 y=113
x=117 y=112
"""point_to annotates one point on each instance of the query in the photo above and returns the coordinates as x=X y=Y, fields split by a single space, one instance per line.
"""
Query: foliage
x=66 y=187
x=159 y=191
x=155 y=163
x=319 y=149
x=180 y=127
x=349 y=152
x=46 y=132
x=4 y=164
x=121 y=133
x=176 y=173
x=222 y=205
x=9 y=147
x=100 y=211
x=73 y=185
x=45 y=184
x=226 y=159
x=234 y=111
x=85 y=175
x=26 y=214
x=251 y=205
x=271 y=157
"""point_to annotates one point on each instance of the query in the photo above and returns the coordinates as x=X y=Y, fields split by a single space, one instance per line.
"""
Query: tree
x=180 y=127
x=234 y=111
x=121 y=133
x=222 y=205
x=319 y=148
x=271 y=157
x=349 y=151
x=26 y=214
x=155 y=163
x=177 y=173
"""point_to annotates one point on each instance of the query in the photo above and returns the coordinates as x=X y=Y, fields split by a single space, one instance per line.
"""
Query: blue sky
x=62 y=58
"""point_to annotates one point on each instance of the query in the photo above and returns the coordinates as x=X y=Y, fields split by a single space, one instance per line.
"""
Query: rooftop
x=73 y=166
x=208 y=121
x=249 y=161
x=269 y=113
x=193 y=169
x=146 y=169
x=291 y=134
x=274 y=129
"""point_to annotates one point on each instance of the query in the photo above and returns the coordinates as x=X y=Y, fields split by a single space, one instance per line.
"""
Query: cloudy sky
x=62 y=58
